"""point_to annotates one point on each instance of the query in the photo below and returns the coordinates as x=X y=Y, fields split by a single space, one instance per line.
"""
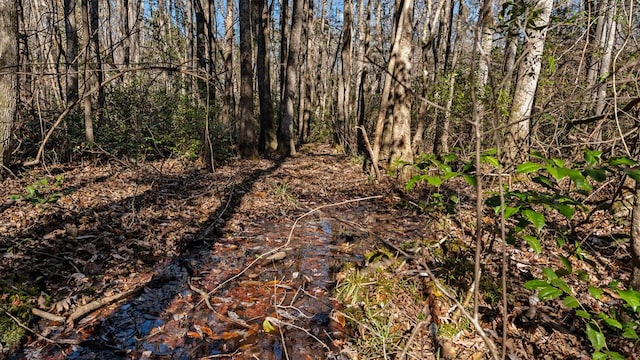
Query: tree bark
x=247 y=127
x=229 y=104
x=71 y=55
x=345 y=126
x=516 y=147
x=268 y=140
x=286 y=141
x=8 y=77
x=88 y=78
x=401 y=151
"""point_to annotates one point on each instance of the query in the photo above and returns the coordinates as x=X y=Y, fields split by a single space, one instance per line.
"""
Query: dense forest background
x=204 y=78
x=538 y=100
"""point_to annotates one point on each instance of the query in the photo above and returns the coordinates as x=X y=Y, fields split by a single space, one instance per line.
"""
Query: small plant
x=36 y=193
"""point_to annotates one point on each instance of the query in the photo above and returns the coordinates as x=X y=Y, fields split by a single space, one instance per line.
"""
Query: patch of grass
x=377 y=301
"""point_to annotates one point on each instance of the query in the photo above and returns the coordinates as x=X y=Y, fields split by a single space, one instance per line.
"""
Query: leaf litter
x=166 y=261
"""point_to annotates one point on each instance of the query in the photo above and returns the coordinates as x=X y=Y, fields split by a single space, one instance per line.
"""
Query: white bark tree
x=516 y=145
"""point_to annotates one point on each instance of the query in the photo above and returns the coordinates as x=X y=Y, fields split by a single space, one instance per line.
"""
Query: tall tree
x=71 y=55
x=268 y=139
x=346 y=127
x=88 y=78
x=229 y=103
x=286 y=140
x=516 y=145
x=247 y=127
x=401 y=151
x=8 y=76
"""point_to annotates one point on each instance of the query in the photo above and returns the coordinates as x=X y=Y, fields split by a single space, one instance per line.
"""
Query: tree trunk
x=305 y=103
x=247 y=127
x=268 y=141
x=201 y=48
x=284 y=50
x=516 y=147
x=229 y=104
x=286 y=141
x=401 y=151
x=97 y=73
x=88 y=78
x=345 y=127
x=8 y=77
x=71 y=55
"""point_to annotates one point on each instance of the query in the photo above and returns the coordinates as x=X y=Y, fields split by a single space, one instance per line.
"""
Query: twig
x=220 y=317
x=272 y=251
x=473 y=320
x=413 y=335
x=38 y=335
x=97 y=304
x=47 y=315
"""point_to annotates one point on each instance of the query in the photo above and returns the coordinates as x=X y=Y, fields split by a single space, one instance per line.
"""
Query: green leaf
x=534 y=243
x=610 y=321
x=629 y=331
x=567 y=264
x=631 y=297
x=595 y=292
x=614 y=355
x=558 y=162
x=599 y=356
x=433 y=180
x=621 y=160
x=598 y=175
x=583 y=314
x=545 y=181
x=267 y=327
x=634 y=174
x=31 y=191
x=490 y=160
x=450 y=157
x=558 y=173
x=412 y=182
x=528 y=167
x=549 y=273
x=570 y=302
x=534 y=217
x=509 y=211
x=596 y=337
x=565 y=210
x=549 y=293
x=562 y=285
x=470 y=179
x=579 y=179
x=591 y=157
x=535 y=284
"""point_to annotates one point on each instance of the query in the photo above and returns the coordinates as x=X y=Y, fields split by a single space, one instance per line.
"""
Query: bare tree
x=8 y=76
x=286 y=140
x=268 y=139
x=516 y=145
x=71 y=55
x=401 y=151
x=345 y=128
x=229 y=103
x=246 y=127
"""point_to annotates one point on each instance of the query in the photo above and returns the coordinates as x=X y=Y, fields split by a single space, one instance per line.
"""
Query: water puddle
x=279 y=309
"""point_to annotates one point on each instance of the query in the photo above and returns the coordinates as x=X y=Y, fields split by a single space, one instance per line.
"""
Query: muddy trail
x=165 y=261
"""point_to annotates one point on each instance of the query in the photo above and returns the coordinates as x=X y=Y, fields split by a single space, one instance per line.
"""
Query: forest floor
x=303 y=258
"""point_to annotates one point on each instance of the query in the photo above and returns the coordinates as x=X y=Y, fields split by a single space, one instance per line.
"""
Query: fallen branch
x=97 y=304
x=47 y=315
x=286 y=244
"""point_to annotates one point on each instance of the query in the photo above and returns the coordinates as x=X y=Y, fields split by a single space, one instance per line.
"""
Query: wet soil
x=237 y=262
